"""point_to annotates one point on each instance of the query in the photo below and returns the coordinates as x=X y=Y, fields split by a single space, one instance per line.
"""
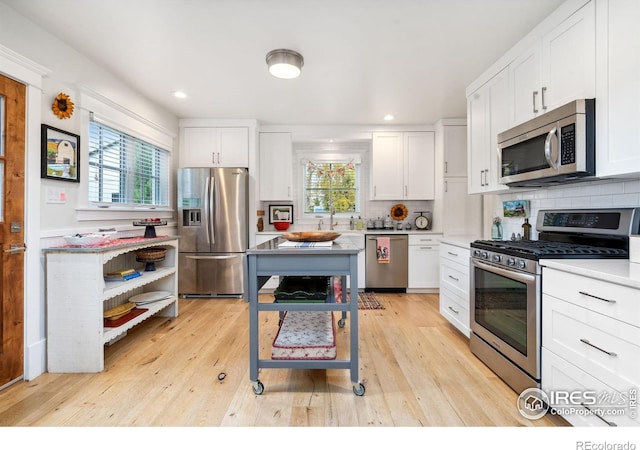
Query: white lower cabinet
x=423 y=261
x=78 y=295
x=454 y=285
x=590 y=347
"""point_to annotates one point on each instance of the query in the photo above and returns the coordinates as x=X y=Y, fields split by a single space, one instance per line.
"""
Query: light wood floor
x=417 y=369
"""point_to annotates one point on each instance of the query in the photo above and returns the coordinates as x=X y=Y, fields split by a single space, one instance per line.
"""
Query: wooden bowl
x=311 y=236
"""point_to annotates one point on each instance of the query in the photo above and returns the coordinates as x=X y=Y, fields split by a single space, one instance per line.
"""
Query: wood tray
x=310 y=236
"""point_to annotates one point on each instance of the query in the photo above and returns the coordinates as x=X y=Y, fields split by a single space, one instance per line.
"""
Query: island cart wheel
x=358 y=389
x=341 y=323
x=258 y=387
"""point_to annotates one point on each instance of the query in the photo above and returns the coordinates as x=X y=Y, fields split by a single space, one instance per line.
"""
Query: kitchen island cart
x=269 y=259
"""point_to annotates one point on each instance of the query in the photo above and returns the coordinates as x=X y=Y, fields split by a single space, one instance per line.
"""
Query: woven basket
x=151 y=254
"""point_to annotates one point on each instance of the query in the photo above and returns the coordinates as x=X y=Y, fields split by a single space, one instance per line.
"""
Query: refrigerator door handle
x=214 y=257
x=207 y=209
x=212 y=196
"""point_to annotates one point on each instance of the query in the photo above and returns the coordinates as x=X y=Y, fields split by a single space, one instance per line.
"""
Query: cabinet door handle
x=453 y=278
x=596 y=297
x=452 y=254
x=586 y=341
x=426 y=248
x=406 y=191
x=446 y=168
x=611 y=424
x=544 y=89
x=446 y=186
x=452 y=309
x=535 y=94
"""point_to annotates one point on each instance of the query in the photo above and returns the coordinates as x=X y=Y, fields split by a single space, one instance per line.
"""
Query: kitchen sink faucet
x=332 y=211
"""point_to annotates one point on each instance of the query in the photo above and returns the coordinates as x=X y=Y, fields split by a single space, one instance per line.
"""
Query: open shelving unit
x=78 y=295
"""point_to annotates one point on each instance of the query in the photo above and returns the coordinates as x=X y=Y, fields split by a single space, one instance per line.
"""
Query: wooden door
x=12 y=182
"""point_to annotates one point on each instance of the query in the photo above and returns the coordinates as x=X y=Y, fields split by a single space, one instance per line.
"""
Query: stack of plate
x=149 y=297
x=119 y=311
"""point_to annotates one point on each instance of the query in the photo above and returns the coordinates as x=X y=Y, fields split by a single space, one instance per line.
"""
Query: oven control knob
x=485 y=255
x=522 y=264
x=496 y=258
x=511 y=262
x=476 y=253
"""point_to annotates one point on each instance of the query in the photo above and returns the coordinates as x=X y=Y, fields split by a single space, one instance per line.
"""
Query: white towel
x=293 y=244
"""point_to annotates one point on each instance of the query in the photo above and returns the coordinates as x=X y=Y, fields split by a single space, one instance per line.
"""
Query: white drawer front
x=603 y=347
x=560 y=376
x=453 y=309
x=614 y=300
x=454 y=276
x=431 y=239
x=456 y=254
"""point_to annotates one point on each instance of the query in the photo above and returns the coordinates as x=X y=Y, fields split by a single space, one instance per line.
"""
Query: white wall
x=594 y=194
x=66 y=71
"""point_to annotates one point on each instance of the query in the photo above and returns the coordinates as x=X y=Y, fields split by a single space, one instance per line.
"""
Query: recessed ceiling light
x=389 y=117
x=179 y=94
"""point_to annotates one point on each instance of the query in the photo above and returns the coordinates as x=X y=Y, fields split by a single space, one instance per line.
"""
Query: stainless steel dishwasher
x=391 y=275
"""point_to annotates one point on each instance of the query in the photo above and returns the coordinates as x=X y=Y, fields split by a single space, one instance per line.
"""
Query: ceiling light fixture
x=284 y=63
x=179 y=94
x=389 y=117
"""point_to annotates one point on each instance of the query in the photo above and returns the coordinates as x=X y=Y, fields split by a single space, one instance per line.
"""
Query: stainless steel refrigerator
x=213 y=229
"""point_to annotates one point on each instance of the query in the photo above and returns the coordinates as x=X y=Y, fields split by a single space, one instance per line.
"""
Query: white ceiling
x=363 y=58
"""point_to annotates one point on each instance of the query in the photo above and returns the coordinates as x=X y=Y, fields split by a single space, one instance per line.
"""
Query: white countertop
x=463 y=241
x=348 y=232
x=619 y=271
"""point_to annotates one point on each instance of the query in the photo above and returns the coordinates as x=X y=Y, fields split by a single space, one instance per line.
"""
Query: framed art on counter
x=281 y=213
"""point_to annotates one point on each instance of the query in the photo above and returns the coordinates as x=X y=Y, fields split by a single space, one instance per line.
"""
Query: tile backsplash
x=587 y=195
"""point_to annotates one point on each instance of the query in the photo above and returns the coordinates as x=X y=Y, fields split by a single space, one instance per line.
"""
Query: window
x=328 y=184
x=125 y=170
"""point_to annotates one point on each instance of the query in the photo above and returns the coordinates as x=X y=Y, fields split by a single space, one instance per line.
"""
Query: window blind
x=124 y=170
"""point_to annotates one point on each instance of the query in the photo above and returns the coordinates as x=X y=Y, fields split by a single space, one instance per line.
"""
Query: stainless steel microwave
x=555 y=147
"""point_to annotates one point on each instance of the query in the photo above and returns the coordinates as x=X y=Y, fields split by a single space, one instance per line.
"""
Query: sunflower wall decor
x=62 y=106
x=399 y=212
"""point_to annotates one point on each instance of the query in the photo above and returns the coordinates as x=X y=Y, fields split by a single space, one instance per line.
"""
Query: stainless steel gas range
x=506 y=281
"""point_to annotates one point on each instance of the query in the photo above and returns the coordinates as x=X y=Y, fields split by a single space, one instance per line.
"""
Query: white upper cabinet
x=618 y=89
x=214 y=147
x=276 y=167
x=488 y=113
x=557 y=68
x=419 y=170
x=387 y=166
x=403 y=166
x=455 y=151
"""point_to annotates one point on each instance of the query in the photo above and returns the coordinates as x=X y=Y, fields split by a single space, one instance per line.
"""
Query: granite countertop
x=619 y=271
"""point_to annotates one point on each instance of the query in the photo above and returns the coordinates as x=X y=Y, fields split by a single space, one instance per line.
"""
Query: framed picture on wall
x=60 y=155
x=280 y=213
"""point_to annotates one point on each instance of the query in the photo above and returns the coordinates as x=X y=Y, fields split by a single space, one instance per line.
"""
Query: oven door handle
x=517 y=276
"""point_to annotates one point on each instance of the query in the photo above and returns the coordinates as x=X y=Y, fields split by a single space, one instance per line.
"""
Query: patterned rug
x=369 y=300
